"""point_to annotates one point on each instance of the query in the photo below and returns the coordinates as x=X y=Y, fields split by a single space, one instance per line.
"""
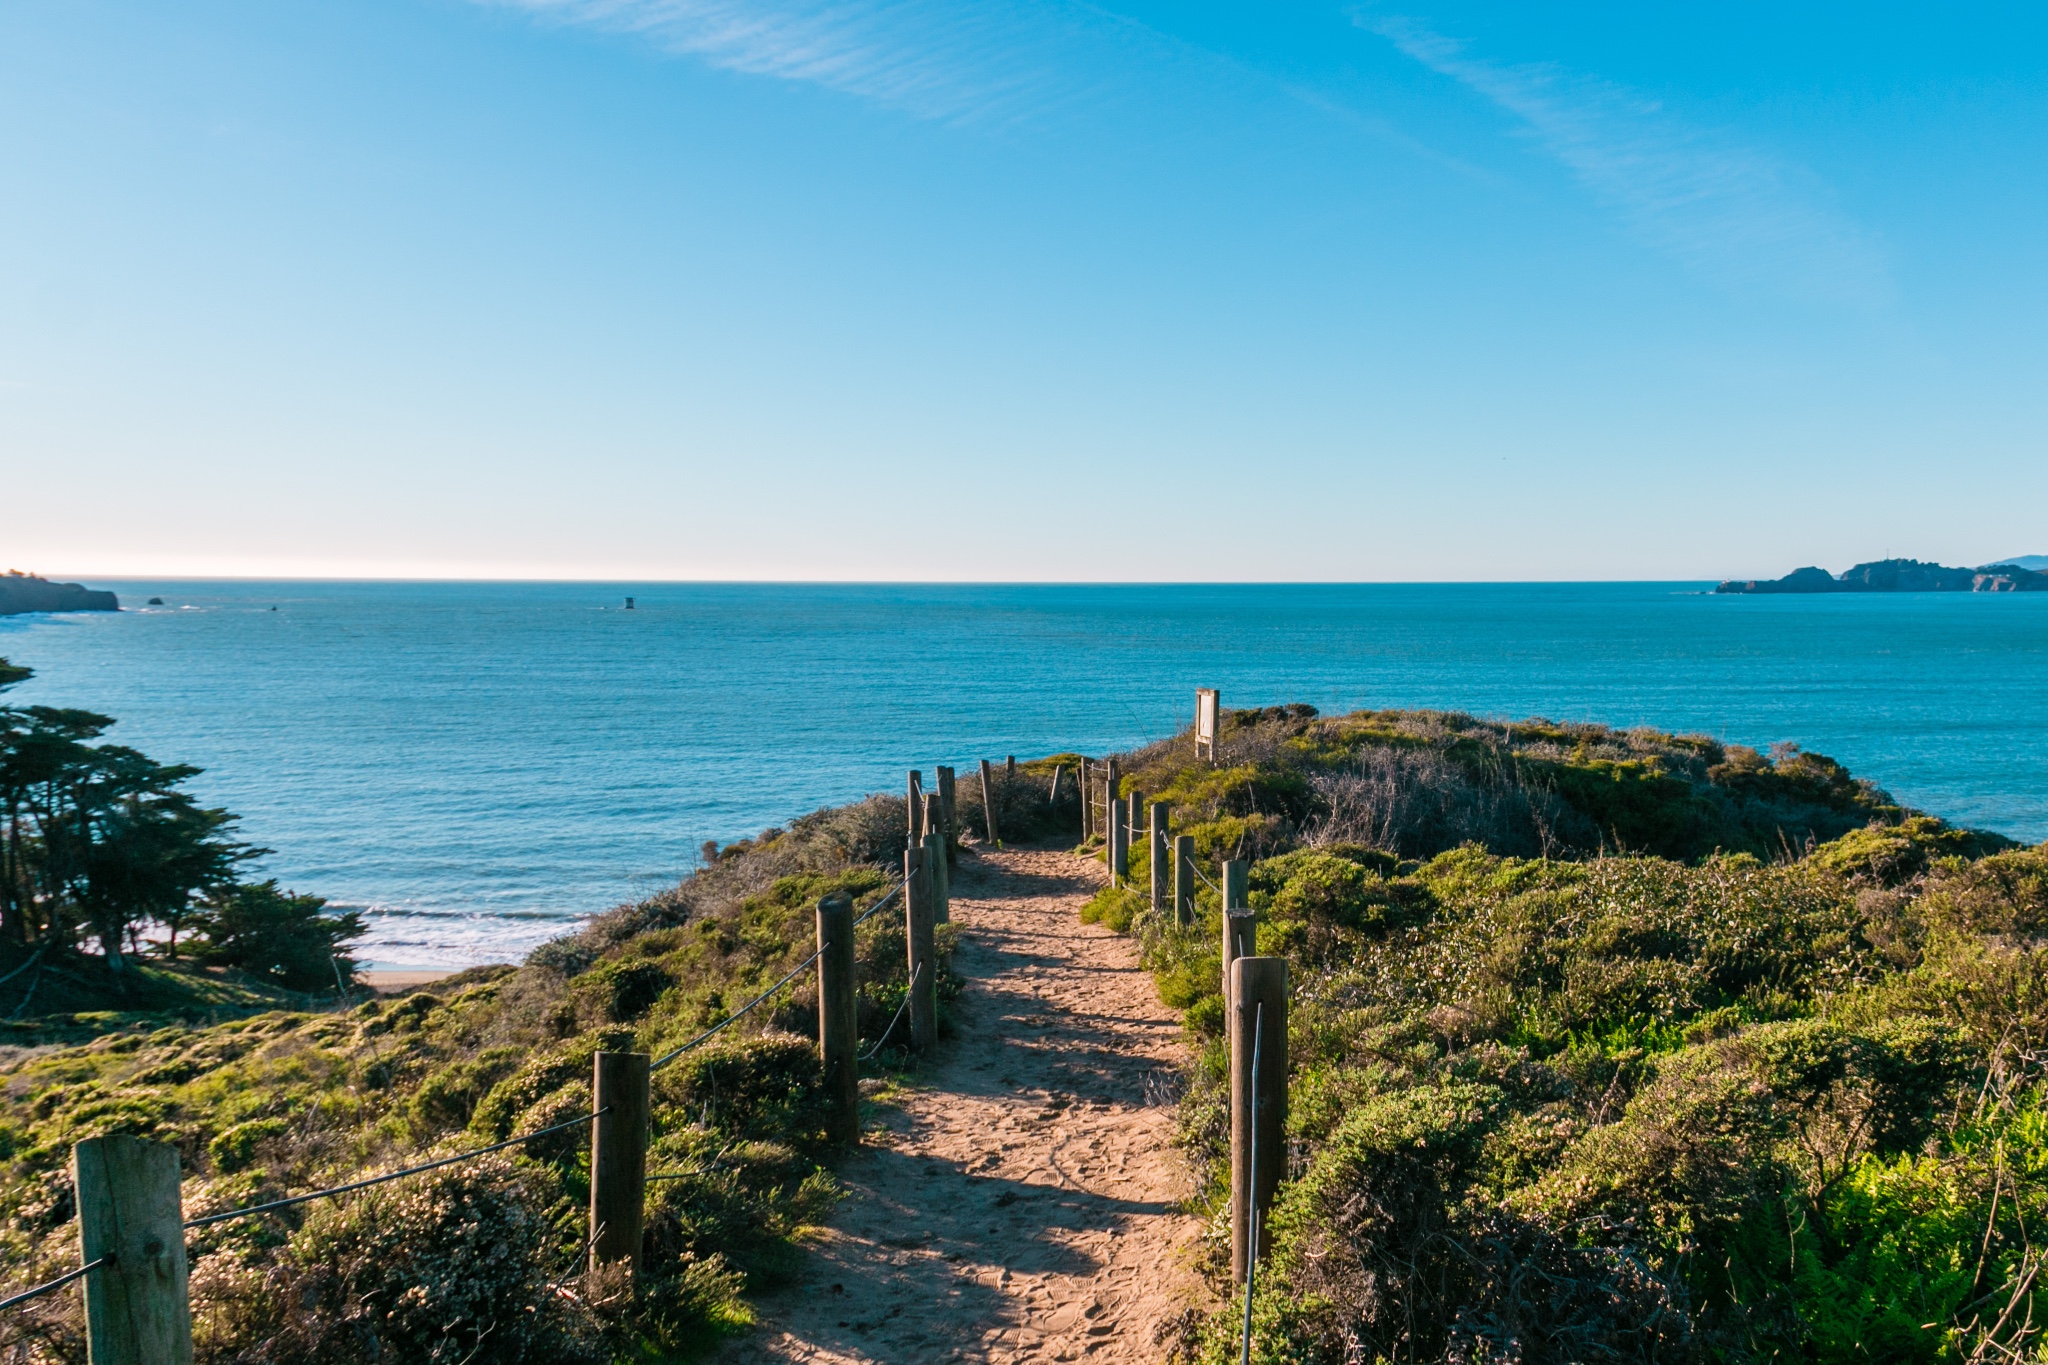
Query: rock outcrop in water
x=1898 y=575
x=20 y=592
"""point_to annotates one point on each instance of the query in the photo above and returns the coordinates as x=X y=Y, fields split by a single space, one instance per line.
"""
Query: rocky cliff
x=1898 y=575
x=20 y=592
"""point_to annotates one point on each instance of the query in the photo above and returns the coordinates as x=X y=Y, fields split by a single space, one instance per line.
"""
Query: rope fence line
x=731 y=1019
x=145 y=1174
x=879 y=906
x=907 y=992
x=25 y=1295
x=708 y=1034
x=581 y=1257
x=212 y=1218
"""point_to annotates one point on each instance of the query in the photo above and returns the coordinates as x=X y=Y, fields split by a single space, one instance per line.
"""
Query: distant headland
x=21 y=592
x=1903 y=575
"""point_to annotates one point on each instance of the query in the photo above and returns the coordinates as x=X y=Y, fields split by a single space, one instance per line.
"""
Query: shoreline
x=397 y=983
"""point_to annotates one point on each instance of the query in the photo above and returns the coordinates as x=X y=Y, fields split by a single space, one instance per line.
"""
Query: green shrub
x=235 y=1148
x=1618 y=1046
x=1115 y=908
x=768 y=1088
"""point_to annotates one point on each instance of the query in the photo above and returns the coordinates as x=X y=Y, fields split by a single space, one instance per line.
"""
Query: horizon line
x=86 y=580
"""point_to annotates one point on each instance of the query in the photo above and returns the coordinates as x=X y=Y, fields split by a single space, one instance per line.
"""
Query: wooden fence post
x=942 y=877
x=1119 y=842
x=1155 y=854
x=1087 y=803
x=1009 y=767
x=1234 y=873
x=838 y=1017
x=1258 y=1104
x=988 y=799
x=916 y=805
x=1240 y=922
x=1183 y=879
x=137 y=1311
x=618 y=1158
x=952 y=829
x=922 y=965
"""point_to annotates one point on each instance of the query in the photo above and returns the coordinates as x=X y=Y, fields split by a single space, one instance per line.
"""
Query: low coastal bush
x=1615 y=1046
x=481 y=1261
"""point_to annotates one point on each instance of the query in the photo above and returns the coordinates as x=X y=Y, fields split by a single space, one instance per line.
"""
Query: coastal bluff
x=20 y=592
x=1897 y=575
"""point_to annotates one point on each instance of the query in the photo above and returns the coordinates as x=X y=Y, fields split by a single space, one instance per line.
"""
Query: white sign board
x=1206 y=715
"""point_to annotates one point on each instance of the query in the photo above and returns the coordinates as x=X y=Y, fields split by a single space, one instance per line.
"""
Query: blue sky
x=703 y=289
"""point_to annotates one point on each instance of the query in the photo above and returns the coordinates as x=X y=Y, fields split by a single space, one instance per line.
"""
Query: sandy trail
x=1020 y=1203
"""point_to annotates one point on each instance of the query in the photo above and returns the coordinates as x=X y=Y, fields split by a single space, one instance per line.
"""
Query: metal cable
x=213 y=1218
x=914 y=976
x=1205 y=877
x=879 y=905
x=732 y=1019
x=577 y=1264
x=25 y=1295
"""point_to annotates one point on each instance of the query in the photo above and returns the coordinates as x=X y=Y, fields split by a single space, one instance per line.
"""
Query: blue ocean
x=477 y=764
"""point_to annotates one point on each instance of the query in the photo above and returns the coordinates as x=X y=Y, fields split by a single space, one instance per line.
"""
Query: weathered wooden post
x=952 y=829
x=923 y=964
x=1258 y=1104
x=1119 y=843
x=941 y=875
x=1155 y=854
x=838 y=1017
x=988 y=799
x=1110 y=785
x=1240 y=922
x=1235 y=871
x=1183 y=879
x=1052 y=798
x=916 y=805
x=136 y=1309
x=1010 y=767
x=618 y=1158
x=1087 y=803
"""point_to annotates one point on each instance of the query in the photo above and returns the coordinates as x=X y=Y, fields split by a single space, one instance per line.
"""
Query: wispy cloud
x=973 y=61
x=1725 y=208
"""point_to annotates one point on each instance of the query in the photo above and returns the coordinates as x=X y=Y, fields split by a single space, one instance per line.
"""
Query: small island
x=1898 y=575
x=21 y=592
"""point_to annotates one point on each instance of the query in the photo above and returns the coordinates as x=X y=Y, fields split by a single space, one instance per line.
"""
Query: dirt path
x=1021 y=1202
